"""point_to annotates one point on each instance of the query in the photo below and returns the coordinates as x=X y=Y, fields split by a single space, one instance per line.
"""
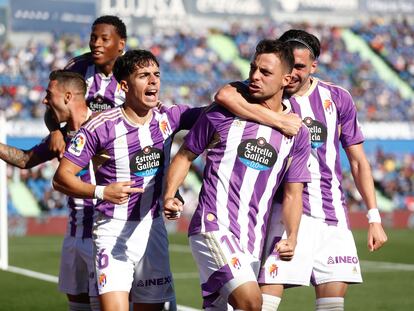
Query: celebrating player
x=326 y=254
x=135 y=139
x=246 y=163
x=65 y=97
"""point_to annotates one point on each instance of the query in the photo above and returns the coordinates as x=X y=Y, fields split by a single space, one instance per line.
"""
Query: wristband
x=373 y=215
x=99 y=192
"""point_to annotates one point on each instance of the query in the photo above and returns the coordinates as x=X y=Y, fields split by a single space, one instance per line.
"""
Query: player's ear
x=286 y=79
x=68 y=97
x=313 y=66
x=124 y=85
x=121 y=48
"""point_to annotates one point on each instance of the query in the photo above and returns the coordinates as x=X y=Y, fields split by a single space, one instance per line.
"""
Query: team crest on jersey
x=327 y=105
x=165 y=128
x=257 y=154
x=102 y=280
x=146 y=162
x=317 y=131
x=77 y=144
x=235 y=262
x=273 y=270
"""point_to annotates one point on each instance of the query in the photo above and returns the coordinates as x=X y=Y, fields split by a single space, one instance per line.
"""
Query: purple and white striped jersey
x=246 y=163
x=331 y=116
x=80 y=210
x=103 y=92
x=130 y=152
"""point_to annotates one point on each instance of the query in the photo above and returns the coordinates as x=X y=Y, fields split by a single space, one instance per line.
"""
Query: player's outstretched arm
x=234 y=97
x=18 y=157
x=57 y=142
x=291 y=215
x=178 y=170
x=361 y=171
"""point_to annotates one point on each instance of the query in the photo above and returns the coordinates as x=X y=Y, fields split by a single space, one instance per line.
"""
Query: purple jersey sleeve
x=350 y=131
x=199 y=137
x=42 y=150
x=83 y=146
x=298 y=170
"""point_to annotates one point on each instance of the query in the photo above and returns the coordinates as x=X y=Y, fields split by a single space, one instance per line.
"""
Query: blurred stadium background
x=367 y=47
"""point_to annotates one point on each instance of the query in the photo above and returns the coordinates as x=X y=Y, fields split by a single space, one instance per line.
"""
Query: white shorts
x=132 y=256
x=77 y=269
x=223 y=266
x=323 y=254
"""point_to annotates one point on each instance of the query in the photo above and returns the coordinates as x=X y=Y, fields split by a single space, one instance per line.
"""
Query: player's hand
x=286 y=249
x=376 y=236
x=290 y=124
x=172 y=208
x=57 y=143
x=119 y=192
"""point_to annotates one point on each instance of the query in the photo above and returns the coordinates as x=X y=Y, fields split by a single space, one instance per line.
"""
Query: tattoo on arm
x=15 y=156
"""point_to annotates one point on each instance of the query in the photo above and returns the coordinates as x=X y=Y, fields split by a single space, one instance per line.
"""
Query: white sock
x=330 y=304
x=170 y=305
x=270 y=303
x=94 y=303
x=76 y=306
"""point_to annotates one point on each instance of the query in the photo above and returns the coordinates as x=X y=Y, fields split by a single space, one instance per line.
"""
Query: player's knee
x=252 y=302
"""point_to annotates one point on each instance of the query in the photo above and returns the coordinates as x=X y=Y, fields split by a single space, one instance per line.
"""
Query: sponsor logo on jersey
x=342 y=259
x=317 y=131
x=99 y=103
x=147 y=162
x=77 y=143
x=154 y=282
x=273 y=270
x=257 y=154
x=102 y=280
x=235 y=262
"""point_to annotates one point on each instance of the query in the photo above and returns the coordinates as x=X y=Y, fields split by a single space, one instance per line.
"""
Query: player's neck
x=79 y=117
x=305 y=89
x=136 y=116
x=274 y=103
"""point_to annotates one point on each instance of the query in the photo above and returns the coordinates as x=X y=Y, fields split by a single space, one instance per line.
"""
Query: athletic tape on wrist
x=99 y=192
x=373 y=215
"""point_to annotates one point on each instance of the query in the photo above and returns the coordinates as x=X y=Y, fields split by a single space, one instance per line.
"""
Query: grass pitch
x=388 y=276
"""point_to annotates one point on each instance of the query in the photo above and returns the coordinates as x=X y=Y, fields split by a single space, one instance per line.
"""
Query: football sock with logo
x=330 y=304
x=170 y=305
x=95 y=304
x=270 y=303
x=76 y=306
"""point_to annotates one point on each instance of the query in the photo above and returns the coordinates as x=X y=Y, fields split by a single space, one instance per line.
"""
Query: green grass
x=382 y=289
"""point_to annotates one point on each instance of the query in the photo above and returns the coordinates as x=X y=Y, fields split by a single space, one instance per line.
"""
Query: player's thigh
x=297 y=271
x=247 y=296
x=153 y=281
x=114 y=301
x=336 y=259
x=73 y=274
x=223 y=265
x=114 y=258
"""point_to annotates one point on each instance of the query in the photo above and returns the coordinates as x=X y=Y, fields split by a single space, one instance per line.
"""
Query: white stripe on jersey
x=90 y=71
x=225 y=170
x=247 y=189
x=331 y=124
x=145 y=139
x=104 y=84
x=285 y=148
x=121 y=156
x=315 y=192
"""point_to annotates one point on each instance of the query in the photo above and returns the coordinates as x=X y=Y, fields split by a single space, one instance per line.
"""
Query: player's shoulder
x=81 y=61
x=105 y=118
x=332 y=87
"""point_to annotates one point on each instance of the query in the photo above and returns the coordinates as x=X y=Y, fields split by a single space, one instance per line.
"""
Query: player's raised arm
x=57 y=142
x=234 y=97
x=176 y=174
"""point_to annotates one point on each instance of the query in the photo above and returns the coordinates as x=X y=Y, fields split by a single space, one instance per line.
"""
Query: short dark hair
x=281 y=49
x=114 y=21
x=127 y=63
x=70 y=79
x=301 y=39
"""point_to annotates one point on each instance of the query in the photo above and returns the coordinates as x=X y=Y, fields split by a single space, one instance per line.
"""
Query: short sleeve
x=298 y=170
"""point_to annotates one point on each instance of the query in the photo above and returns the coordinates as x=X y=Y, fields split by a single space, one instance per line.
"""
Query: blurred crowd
x=192 y=71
